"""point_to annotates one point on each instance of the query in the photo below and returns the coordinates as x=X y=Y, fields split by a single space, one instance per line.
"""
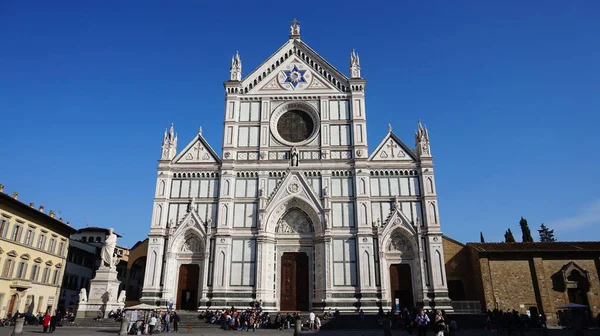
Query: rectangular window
x=175 y=187
x=248 y=136
x=46 y=275
x=243 y=258
x=344 y=262
x=343 y=214
x=185 y=188
x=41 y=241
x=52 y=245
x=35 y=272
x=338 y=110
x=55 y=277
x=61 y=248
x=244 y=215
x=340 y=135
x=29 y=237
x=246 y=188
x=7 y=270
x=384 y=186
x=16 y=233
x=380 y=212
x=4 y=222
x=249 y=111
x=415 y=189
x=342 y=187
x=375 y=187
x=21 y=270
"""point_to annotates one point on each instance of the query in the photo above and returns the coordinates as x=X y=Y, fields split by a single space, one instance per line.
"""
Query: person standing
x=176 y=320
x=46 y=322
x=440 y=323
x=152 y=324
x=311 y=318
x=52 y=323
x=422 y=321
x=167 y=322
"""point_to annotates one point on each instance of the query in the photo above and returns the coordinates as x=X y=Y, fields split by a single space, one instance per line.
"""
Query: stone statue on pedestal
x=82 y=295
x=107 y=255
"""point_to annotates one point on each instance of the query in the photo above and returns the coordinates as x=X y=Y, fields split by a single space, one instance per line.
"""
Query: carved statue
x=83 y=295
x=121 y=298
x=294 y=157
x=295 y=27
x=295 y=221
x=108 y=250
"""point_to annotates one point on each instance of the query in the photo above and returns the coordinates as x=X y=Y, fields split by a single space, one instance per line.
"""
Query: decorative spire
x=169 y=145
x=235 y=71
x=200 y=130
x=422 y=141
x=172 y=132
x=295 y=29
x=354 y=65
x=390 y=128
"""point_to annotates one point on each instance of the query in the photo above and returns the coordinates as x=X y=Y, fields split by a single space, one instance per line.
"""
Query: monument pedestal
x=103 y=296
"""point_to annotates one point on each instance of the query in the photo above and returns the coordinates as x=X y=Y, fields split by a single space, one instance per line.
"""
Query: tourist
x=440 y=323
x=176 y=320
x=46 y=322
x=167 y=326
x=52 y=323
x=152 y=323
x=422 y=321
x=311 y=318
x=318 y=323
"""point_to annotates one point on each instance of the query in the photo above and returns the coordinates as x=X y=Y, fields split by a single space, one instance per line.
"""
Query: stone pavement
x=80 y=331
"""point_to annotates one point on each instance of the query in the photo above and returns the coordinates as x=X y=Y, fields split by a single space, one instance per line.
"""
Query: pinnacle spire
x=200 y=130
x=235 y=70
x=295 y=29
x=354 y=65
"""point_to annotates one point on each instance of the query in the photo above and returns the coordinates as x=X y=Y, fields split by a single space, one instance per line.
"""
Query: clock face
x=295 y=126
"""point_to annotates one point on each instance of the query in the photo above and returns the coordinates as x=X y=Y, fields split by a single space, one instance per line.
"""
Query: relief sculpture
x=399 y=243
x=295 y=221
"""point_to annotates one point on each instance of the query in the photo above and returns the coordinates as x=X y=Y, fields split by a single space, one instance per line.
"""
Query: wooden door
x=401 y=285
x=294 y=282
x=11 y=305
x=187 y=287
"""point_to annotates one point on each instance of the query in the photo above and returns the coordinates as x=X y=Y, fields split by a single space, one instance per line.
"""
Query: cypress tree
x=481 y=237
x=527 y=238
x=508 y=237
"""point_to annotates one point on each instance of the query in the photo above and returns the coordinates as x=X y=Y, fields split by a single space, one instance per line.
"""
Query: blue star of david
x=294 y=76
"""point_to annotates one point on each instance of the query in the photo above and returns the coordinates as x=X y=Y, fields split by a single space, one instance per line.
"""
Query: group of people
x=418 y=322
x=234 y=319
x=158 y=322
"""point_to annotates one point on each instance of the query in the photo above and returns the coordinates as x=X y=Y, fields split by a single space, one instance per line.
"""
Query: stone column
x=18 y=329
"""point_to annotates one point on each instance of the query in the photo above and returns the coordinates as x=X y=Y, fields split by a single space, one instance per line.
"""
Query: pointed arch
x=366 y=271
x=226 y=188
x=440 y=265
x=364 y=214
x=430 y=185
x=221 y=269
x=433 y=213
x=153 y=266
x=363 y=186
x=224 y=214
x=293 y=202
x=161 y=188
x=157 y=214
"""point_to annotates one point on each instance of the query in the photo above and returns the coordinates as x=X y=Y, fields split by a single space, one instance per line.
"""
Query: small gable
x=197 y=151
x=392 y=149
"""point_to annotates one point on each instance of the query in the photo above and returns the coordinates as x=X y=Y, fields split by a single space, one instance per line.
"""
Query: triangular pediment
x=190 y=220
x=197 y=151
x=294 y=185
x=391 y=148
x=312 y=73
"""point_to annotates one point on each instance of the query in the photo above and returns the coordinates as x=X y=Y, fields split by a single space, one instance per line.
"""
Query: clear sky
x=510 y=92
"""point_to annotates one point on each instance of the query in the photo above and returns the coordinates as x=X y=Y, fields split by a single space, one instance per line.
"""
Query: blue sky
x=509 y=90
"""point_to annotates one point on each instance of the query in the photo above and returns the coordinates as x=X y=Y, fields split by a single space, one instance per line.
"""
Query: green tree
x=527 y=238
x=546 y=235
x=508 y=237
x=481 y=237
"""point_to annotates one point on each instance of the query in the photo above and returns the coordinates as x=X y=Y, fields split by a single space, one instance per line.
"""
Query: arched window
x=98 y=239
x=84 y=239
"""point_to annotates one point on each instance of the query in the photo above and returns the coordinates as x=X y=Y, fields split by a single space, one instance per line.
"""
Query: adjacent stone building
x=528 y=277
x=33 y=250
x=297 y=212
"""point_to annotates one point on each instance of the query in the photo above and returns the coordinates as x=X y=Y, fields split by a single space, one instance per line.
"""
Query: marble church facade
x=296 y=212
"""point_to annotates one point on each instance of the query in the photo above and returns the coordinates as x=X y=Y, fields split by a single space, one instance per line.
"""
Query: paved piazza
x=208 y=332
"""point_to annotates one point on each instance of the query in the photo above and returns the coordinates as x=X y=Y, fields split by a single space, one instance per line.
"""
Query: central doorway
x=294 y=282
x=401 y=286
x=187 y=287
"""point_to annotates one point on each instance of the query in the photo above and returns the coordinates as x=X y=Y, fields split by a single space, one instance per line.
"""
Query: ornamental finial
x=390 y=127
x=295 y=29
x=200 y=130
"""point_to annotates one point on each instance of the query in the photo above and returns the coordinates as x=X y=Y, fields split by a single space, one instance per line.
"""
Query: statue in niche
x=295 y=221
x=399 y=243
x=294 y=156
x=121 y=298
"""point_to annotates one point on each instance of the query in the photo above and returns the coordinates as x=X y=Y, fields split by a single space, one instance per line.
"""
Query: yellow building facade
x=33 y=250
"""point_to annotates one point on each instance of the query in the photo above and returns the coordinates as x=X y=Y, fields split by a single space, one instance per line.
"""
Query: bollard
x=124 y=326
x=18 y=330
x=298 y=326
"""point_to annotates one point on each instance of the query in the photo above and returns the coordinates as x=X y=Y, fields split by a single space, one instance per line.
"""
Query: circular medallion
x=295 y=124
x=294 y=188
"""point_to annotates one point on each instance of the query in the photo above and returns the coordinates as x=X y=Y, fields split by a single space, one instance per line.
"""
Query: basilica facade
x=296 y=212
